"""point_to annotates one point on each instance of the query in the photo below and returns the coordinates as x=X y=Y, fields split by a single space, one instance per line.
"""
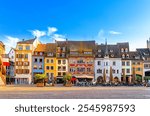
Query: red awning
x=6 y=63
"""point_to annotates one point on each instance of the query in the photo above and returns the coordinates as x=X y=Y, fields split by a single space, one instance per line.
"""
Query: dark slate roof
x=80 y=45
x=134 y=55
x=30 y=41
x=112 y=51
x=123 y=45
x=2 y=44
x=145 y=52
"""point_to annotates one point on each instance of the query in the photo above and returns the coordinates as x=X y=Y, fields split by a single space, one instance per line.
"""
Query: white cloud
x=115 y=33
x=38 y=33
x=58 y=37
x=51 y=30
x=10 y=42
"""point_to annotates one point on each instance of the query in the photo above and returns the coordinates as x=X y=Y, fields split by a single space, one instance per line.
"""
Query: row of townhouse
x=83 y=59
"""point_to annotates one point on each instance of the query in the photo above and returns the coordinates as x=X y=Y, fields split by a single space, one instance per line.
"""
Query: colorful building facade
x=23 y=60
x=38 y=60
x=81 y=59
x=50 y=62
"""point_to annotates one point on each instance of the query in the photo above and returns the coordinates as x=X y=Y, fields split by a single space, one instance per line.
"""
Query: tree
x=41 y=79
x=133 y=76
x=104 y=76
x=67 y=79
x=111 y=75
x=124 y=76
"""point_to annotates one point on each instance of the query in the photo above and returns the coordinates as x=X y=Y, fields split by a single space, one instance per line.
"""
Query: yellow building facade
x=50 y=61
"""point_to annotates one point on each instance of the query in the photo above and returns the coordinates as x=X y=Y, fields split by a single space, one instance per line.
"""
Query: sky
x=49 y=20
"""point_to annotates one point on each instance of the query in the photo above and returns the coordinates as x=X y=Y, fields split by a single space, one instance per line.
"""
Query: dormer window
x=126 y=50
x=99 y=55
x=99 y=50
x=127 y=55
x=123 y=56
x=111 y=51
x=112 y=55
x=50 y=54
x=122 y=50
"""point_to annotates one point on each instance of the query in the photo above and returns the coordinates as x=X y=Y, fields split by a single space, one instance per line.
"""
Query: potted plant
x=40 y=80
x=67 y=80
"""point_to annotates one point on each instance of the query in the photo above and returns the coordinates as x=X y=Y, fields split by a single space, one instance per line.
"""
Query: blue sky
x=116 y=20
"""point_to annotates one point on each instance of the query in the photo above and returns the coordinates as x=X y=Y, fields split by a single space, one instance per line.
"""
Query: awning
x=6 y=63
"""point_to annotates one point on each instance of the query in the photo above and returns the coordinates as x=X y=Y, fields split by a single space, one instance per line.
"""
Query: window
x=106 y=63
x=111 y=51
x=47 y=67
x=117 y=71
x=26 y=63
x=27 y=47
x=63 y=55
x=122 y=50
x=123 y=56
x=41 y=53
x=35 y=60
x=59 y=68
x=114 y=71
x=88 y=69
x=35 y=67
x=59 y=73
x=59 y=61
x=25 y=71
x=99 y=50
x=47 y=74
x=133 y=63
x=112 y=55
x=41 y=60
x=128 y=70
x=64 y=73
x=99 y=63
x=126 y=50
x=19 y=63
x=138 y=69
x=106 y=71
x=40 y=67
x=87 y=52
x=52 y=61
x=64 y=68
x=47 y=61
x=123 y=63
x=20 y=47
x=52 y=68
x=127 y=55
x=128 y=63
x=49 y=54
x=114 y=63
x=26 y=56
x=138 y=63
x=19 y=55
x=64 y=61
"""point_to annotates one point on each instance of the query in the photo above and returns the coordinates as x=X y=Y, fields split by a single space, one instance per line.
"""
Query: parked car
x=148 y=83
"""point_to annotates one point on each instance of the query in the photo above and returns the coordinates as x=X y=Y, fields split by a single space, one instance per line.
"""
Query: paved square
x=32 y=92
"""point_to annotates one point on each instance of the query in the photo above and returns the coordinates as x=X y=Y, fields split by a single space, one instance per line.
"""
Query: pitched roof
x=30 y=41
x=112 y=51
x=134 y=55
x=41 y=48
x=81 y=45
x=51 y=47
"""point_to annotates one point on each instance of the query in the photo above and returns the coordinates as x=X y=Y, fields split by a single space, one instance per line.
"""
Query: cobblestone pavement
x=32 y=92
